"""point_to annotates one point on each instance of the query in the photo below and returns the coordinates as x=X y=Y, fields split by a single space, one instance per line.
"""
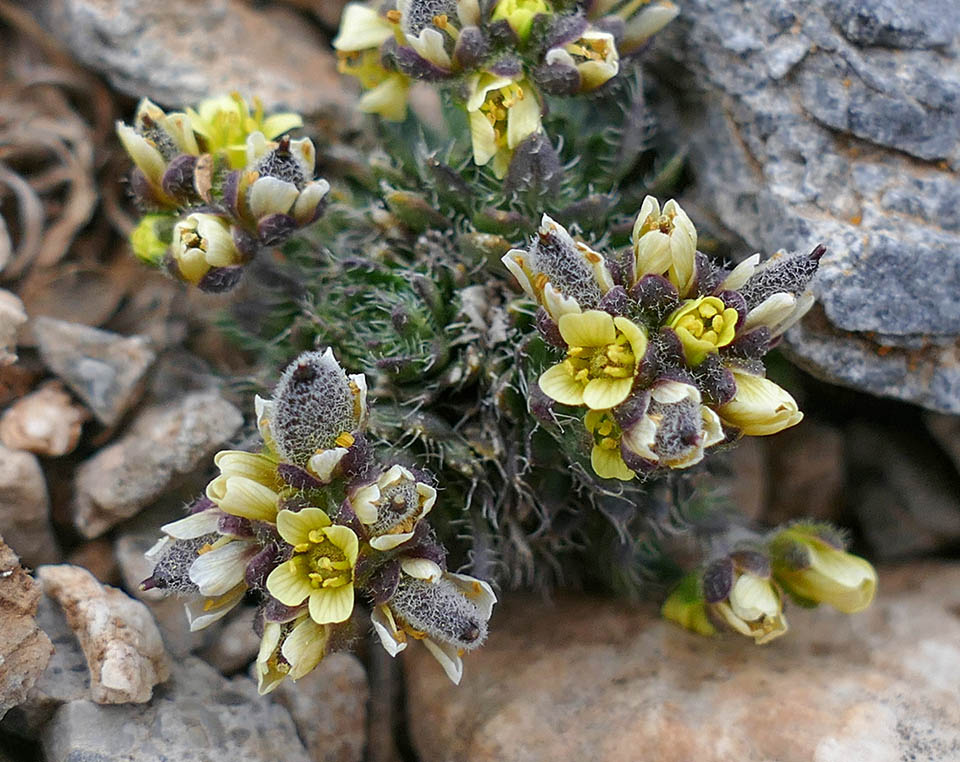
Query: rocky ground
x=832 y=120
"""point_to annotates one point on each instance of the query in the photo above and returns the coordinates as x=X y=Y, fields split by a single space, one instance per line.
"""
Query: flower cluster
x=744 y=589
x=216 y=184
x=497 y=59
x=661 y=347
x=312 y=520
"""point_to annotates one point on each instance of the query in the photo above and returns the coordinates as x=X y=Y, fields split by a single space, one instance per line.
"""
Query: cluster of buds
x=311 y=520
x=744 y=590
x=660 y=348
x=216 y=184
x=497 y=59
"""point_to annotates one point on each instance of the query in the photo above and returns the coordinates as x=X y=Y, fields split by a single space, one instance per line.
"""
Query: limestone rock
x=12 y=316
x=103 y=369
x=198 y=716
x=119 y=638
x=25 y=507
x=163 y=444
x=180 y=52
x=589 y=679
x=46 y=422
x=837 y=124
x=329 y=708
x=24 y=648
x=66 y=678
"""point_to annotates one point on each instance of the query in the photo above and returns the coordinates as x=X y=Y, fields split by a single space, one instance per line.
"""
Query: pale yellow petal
x=289 y=583
x=559 y=385
x=608 y=464
x=604 y=393
x=593 y=328
x=295 y=527
x=331 y=605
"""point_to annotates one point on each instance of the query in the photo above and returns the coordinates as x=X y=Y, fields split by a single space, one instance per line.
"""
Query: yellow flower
x=703 y=326
x=815 y=570
x=519 y=14
x=240 y=495
x=150 y=238
x=503 y=112
x=594 y=56
x=603 y=358
x=665 y=244
x=605 y=456
x=432 y=27
x=651 y=18
x=202 y=241
x=226 y=121
x=686 y=606
x=753 y=608
x=392 y=506
x=759 y=407
x=279 y=179
x=321 y=568
x=561 y=274
x=362 y=32
x=293 y=649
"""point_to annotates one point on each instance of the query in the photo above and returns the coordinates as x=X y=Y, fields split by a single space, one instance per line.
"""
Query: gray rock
x=198 y=716
x=12 y=316
x=235 y=644
x=841 y=125
x=104 y=369
x=163 y=444
x=329 y=708
x=25 y=507
x=903 y=495
x=183 y=51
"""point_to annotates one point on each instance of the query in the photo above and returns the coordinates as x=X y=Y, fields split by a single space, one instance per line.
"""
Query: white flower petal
x=421 y=568
x=220 y=570
x=195 y=525
x=392 y=639
x=449 y=659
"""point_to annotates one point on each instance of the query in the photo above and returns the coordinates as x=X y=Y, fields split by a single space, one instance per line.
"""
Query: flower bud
x=759 y=407
x=316 y=411
x=151 y=238
x=816 y=570
x=594 y=56
x=751 y=602
x=519 y=14
x=647 y=22
x=665 y=244
x=686 y=606
x=391 y=507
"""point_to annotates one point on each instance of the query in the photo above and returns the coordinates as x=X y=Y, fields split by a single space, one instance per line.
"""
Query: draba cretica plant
x=310 y=522
x=525 y=318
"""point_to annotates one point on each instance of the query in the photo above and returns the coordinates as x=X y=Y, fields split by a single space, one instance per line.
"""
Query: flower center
x=705 y=322
x=703 y=326
x=326 y=564
x=364 y=65
x=496 y=106
x=665 y=224
x=614 y=360
x=606 y=432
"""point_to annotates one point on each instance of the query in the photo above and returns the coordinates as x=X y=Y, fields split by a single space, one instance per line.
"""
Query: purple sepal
x=274 y=229
x=563 y=29
x=274 y=611
x=557 y=79
x=506 y=66
x=219 y=280
x=670 y=349
x=246 y=243
x=751 y=561
x=202 y=503
x=260 y=566
x=715 y=380
x=383 y=584
x=708 y=276
x=635 y=463
x=718 y=580
x=412 y=64
x=144 y=193
x=177 y=180
x=615 y=301
x=424 y=544
x=356 y=464
x=231 y=192
x=238 y=526
x=472 y=47
x=346 y=517
x=656 y=294
x=751 y=345
x=539 y=404
x=629 y=412
x=549 y=329
x=613 y=25
x=297 y=477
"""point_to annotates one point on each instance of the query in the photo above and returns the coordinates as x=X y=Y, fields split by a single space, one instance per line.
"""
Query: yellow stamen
x=345 y=439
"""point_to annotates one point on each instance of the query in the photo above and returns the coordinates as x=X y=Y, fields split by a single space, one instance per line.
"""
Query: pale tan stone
x=46 y=422
x=601 y=680
x=119 y=638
